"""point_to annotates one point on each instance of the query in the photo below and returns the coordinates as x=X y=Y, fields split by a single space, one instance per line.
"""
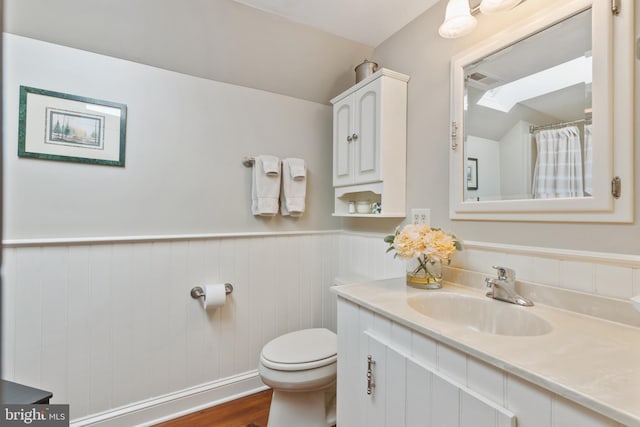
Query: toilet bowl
x=300 y=367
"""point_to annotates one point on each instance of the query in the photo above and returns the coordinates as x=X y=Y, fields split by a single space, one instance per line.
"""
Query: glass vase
x=424 y=274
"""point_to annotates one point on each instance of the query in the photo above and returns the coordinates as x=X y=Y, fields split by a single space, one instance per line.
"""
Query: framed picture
x=472 y=173
x=59 y=126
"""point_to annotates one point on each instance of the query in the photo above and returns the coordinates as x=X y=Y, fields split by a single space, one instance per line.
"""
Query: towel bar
x=198 y=292
x=248 y=161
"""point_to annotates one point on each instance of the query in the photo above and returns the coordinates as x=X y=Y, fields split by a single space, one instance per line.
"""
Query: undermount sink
x=484 y=315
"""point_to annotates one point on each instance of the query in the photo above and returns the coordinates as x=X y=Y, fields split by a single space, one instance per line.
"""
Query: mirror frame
x=612 y=104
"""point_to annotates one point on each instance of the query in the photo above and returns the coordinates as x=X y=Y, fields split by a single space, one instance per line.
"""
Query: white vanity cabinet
x=405 y=391
x=369 y=143
x=418 y=381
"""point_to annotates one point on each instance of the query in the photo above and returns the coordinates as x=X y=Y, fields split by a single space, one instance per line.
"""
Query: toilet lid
x=300 y=347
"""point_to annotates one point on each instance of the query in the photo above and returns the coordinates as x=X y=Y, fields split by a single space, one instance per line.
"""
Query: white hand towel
x=271 y=165
x=265 y=188
x=294 y=187
x=298 y=169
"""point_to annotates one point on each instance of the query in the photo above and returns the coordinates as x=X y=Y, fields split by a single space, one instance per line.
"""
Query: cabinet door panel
x=342 y=147
x=476 y=413
x=376 y=402
x=367 y=156
x=445 y=403
x=418 y=393
x=409 y=393
x=395 y=388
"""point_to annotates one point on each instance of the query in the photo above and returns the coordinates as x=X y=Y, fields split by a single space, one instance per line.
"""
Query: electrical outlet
x=421 y=216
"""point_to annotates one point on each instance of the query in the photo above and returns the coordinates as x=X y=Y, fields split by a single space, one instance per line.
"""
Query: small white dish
x=363 y=207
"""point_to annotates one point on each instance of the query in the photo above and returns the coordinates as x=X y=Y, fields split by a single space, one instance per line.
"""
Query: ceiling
x=369 y=22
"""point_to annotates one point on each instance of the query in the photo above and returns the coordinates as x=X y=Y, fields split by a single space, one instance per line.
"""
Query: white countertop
x=591 y=361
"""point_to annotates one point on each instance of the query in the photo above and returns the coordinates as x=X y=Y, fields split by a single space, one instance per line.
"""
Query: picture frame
x=59 y=126
x=472 y=173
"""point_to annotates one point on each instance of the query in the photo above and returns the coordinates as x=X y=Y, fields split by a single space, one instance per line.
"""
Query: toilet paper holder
x=198 y=291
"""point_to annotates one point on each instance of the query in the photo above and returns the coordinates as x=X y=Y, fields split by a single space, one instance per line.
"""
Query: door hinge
x=615 y=7
x=454 y=136
x=616 y=187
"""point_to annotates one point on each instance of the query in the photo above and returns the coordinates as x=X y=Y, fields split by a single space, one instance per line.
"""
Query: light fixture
x=493 y=6
x=458 y=20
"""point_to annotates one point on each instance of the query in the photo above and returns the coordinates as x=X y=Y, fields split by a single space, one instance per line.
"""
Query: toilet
x=300 y=367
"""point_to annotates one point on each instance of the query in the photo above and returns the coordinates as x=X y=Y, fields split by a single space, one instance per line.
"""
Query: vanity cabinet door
x=376 y=404
x=408 y=393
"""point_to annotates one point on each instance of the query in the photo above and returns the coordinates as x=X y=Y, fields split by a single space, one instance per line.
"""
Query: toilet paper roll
x=214 y=296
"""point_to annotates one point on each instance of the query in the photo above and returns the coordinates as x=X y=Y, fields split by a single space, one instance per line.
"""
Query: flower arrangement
x=428 y=248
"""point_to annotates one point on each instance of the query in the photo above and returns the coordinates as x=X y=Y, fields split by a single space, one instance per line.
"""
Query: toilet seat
x=301 y=368
x=300 y=350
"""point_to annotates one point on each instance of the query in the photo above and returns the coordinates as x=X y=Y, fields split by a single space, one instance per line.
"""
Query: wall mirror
x=542 y=108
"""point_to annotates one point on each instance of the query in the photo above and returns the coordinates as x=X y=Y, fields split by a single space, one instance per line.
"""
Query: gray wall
x=186 y=138
x=178 y=182
x=254 y=49
x=216 y=39
x=417 y=50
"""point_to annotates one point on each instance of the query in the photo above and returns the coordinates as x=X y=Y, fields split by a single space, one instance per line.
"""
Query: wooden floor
x=250 y=411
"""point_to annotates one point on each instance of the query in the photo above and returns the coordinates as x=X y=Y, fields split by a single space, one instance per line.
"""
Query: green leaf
x=390 y=238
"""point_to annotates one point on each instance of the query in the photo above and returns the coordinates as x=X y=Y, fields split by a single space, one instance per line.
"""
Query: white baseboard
x=177 y=404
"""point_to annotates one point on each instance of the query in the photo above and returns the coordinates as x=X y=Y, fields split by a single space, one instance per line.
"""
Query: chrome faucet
x=503 y=287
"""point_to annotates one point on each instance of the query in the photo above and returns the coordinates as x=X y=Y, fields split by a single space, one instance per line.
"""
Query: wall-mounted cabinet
x=369 y=144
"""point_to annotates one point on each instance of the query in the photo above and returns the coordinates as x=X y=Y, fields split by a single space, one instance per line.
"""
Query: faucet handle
x=489 y=281
x=505 y=273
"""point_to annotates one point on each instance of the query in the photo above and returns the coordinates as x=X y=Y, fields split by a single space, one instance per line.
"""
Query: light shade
x=492 y=6
x=458 y=20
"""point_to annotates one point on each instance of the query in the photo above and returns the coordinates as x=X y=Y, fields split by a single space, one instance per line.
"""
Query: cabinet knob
x=354 y=137
x=349 y=138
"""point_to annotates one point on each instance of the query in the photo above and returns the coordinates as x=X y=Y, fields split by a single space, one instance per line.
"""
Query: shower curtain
x=558 y=170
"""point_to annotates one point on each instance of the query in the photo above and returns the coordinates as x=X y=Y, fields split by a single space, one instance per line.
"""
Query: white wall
x=487 y=152
x=186 y=138
x=516 y=162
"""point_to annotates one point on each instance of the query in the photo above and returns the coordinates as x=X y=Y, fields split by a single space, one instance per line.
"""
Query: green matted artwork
x=59 y=126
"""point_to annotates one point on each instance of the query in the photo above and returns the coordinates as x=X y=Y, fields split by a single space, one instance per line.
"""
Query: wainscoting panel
x=365 y=255
x=104 y=325
x=109 y=326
